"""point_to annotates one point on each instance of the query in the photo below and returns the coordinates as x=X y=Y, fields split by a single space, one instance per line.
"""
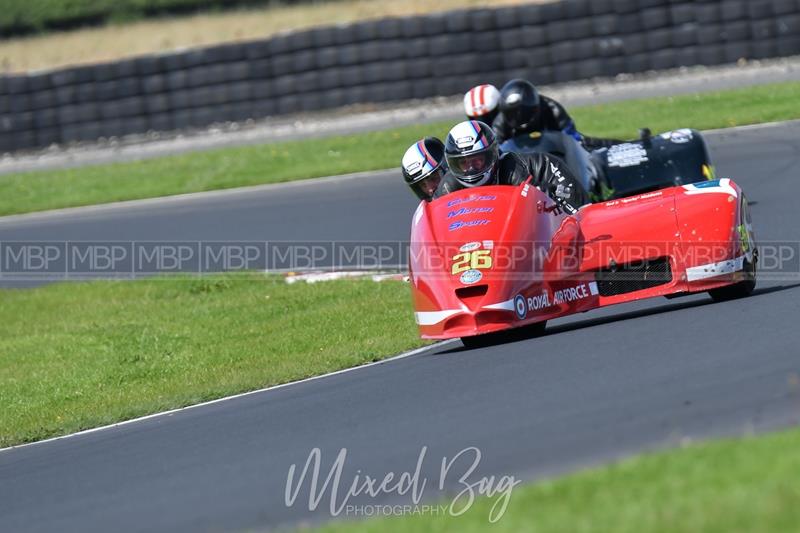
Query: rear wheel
x=741 y=289
x=502 y=337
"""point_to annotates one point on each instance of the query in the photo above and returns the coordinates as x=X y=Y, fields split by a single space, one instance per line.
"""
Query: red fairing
x=493 y=258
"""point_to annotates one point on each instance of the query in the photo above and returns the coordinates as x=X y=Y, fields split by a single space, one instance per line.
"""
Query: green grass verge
x=74 y=356
x=233 y=167
x=748 y=484
x=32 y=16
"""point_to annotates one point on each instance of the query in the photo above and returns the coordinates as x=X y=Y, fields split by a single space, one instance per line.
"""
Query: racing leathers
x=552 y=116
x=550 y=175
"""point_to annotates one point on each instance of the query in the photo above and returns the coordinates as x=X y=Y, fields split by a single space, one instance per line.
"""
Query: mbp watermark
x=530 y=261
x=457 y=474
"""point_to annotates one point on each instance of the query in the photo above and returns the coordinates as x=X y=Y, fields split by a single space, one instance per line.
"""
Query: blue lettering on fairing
x=474 y=198
x=467 y=224
x=469 y=211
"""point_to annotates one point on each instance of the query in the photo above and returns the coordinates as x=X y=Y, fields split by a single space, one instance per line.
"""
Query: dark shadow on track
x=641 y=313
x=659 y=310
x=599 y=321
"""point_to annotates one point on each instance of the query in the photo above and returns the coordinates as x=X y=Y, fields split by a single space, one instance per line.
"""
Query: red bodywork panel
x=493 y=258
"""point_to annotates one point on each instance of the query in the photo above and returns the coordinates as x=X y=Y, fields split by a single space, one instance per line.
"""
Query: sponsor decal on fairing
x=471 y=262
x=626 y=155
x=520 y=307
x=470 y=247
x=471 y=276
x=467 y=224
x=681 y=136
x=562 y=296
x=638 y=197
x=473 y=198
x=711 y=187
x=713 y=270
x=546 y=299
x=539 y=301
x=469 y=211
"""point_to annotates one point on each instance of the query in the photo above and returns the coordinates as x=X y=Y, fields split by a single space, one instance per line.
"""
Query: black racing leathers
x=550 y=175
x=552 y=116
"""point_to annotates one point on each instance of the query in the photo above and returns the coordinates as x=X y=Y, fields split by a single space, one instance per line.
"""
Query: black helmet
x=519 y=103
x=471 y=152
x=423 y=167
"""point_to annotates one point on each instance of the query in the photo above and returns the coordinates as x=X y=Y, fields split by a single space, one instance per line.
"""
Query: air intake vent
x=473 y=291
x=634 y=276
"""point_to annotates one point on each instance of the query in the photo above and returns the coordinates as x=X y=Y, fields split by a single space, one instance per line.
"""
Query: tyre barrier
x=397 y=59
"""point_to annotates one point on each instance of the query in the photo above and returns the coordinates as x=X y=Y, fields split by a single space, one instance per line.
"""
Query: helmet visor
x=521 y=115
x=474 y=164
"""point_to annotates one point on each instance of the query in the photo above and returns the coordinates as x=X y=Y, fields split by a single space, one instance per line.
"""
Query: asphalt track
x=595 y=387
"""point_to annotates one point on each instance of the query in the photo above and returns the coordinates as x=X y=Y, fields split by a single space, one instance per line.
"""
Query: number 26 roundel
x=475 y=260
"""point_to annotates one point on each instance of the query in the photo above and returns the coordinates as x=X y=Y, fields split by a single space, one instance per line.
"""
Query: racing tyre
x=502 y=337
x=741 y=289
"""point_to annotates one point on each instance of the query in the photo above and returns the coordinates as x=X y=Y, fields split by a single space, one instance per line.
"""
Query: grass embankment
x=127 y=37
x=748 y=484
x=75 y=356
x=279 y=162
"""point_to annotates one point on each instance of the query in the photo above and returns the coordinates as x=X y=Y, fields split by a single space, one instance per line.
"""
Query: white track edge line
x=169 y=412
x=210 y=195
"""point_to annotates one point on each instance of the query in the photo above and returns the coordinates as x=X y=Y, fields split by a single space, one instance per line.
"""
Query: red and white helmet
x=481 y=103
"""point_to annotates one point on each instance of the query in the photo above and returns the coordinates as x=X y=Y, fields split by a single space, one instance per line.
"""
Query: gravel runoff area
x=375 y=117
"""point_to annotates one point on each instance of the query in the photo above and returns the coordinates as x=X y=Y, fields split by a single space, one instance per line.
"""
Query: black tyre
x=626 y=6
x=741 y=289
x=682 y=13
x=746 y=286
x=482 y=20
x=708 y=14
x=605 y=25
x=42 y=99
x=734 y=10
x=657 y=17
x=257 y=50
x=685 y=35
x=301 y=40
x=660 y=40
x=456 y=22
x=502 y=337
x=530 y=14
x=506 y=17
x=324 y=37
x=763 y=29
x=736 y=51
x=598 y=7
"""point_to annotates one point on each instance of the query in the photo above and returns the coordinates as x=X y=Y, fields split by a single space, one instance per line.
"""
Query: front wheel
x=741 y=289
x=502 y=337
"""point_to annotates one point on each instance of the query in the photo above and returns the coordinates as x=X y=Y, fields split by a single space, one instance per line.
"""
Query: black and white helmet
x=472 y=153
x=423 y=167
